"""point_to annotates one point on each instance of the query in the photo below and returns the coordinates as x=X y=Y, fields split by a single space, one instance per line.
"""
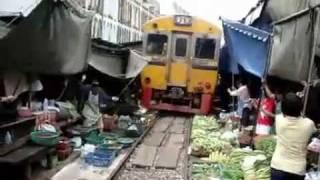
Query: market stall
x=215 y=152
x=103 y=154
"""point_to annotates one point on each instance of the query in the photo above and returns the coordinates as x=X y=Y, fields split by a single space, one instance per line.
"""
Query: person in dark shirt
x=92 y=91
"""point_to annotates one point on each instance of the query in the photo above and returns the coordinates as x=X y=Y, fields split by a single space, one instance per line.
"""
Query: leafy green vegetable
x=267 y=145
x=204 y=171
x=208 y=140
x=205 y=137
x=205 y=123
x=232 y=174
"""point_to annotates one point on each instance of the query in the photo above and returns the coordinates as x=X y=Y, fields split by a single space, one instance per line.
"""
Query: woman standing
x=293 y=134
x=266 y=112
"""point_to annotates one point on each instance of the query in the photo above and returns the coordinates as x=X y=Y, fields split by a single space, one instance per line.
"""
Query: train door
x=178 y=67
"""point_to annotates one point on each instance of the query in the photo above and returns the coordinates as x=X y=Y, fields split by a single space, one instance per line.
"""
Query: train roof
x=167 y=23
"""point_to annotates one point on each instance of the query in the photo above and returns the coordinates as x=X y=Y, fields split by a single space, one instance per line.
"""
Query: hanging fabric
x=115 y=60
x=135 y=65
x=16 y=83
x=290 y=56
x=291 y=47
x=247 y=46
x=54 y=39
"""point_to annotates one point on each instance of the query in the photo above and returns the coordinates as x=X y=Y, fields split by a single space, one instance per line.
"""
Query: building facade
x=178 y=9
x=120 y=21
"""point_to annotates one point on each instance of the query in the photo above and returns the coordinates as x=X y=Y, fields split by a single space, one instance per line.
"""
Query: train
x=182 y=71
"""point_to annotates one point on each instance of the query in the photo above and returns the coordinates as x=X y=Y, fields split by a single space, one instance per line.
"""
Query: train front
x=182 y=73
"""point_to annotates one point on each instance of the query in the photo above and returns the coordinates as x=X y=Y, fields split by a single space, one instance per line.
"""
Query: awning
x=247 y=47
x=226 y=63
x=290 y=57
x=54 y=39
x=136 y=64
x=116 y=60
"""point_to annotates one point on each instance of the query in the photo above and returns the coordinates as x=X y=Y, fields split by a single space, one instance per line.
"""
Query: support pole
x=296 y=15
x=127 y=86
x=233 y=98
x=313 y=42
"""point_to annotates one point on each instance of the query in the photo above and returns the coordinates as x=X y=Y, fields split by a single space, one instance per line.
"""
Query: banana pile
x=263 y=173
x=218 y=157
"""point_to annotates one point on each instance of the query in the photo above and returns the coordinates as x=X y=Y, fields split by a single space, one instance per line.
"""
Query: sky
x=211 y=10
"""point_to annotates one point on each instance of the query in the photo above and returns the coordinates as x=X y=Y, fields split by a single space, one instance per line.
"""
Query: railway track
x=162 y=153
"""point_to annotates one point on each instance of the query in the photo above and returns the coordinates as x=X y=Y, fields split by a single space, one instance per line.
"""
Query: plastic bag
x=314 y=146
x=313 y=175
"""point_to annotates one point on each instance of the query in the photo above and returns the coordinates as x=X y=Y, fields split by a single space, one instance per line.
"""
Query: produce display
x=267 y=145
x=206 y=137
x=205 y=123
x=223 y=159
x=219 y=157
x=205 y=171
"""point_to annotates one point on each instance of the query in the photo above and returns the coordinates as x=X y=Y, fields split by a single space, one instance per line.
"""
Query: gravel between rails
x=129 y=172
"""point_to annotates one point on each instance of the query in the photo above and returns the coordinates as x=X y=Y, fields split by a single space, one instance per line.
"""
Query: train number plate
x=183 y=20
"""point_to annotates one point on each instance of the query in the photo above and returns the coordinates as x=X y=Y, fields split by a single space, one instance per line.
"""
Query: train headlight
x=208 y=85
x=147 y=80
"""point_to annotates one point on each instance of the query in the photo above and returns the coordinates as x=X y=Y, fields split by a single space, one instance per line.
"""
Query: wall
x=121 y=21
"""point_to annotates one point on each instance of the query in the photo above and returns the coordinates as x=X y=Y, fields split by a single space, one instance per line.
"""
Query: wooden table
x=20 y=128
x=17 y=121
x=22 y=159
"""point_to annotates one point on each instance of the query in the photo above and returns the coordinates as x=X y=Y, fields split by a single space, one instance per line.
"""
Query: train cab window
x=157 y=44
x=205 y=48
x=181 y=47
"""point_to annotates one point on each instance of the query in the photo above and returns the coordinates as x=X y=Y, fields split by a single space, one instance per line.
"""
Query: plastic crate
x=100 y=158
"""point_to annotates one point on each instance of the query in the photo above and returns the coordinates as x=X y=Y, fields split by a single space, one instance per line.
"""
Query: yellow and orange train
x=183 y=69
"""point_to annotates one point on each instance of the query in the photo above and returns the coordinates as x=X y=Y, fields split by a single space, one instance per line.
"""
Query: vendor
x=244 y=102
x=93 y=100
x=108 y=119
x=293 y=134
x=266 y=112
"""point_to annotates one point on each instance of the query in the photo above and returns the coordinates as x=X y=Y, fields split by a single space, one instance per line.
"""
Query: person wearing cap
x=92 y=102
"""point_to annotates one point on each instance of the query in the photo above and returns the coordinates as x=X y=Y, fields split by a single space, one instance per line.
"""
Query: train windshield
x=181 y=47
x=157 y=45
x=205 y=48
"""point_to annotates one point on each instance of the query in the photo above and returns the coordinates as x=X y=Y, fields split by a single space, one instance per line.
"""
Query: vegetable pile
x=205 y=137
x=205 y=171
x=267 y=145
x=223 y=159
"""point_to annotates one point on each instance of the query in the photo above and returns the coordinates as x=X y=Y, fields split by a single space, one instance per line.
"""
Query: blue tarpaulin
x=226 y=63
x=247 y=46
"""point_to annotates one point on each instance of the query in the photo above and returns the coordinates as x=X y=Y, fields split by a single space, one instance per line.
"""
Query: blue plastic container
x=100 y=158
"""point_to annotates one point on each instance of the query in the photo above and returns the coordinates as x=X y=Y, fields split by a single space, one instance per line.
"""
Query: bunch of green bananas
x=218 y=157
x=263 y=173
